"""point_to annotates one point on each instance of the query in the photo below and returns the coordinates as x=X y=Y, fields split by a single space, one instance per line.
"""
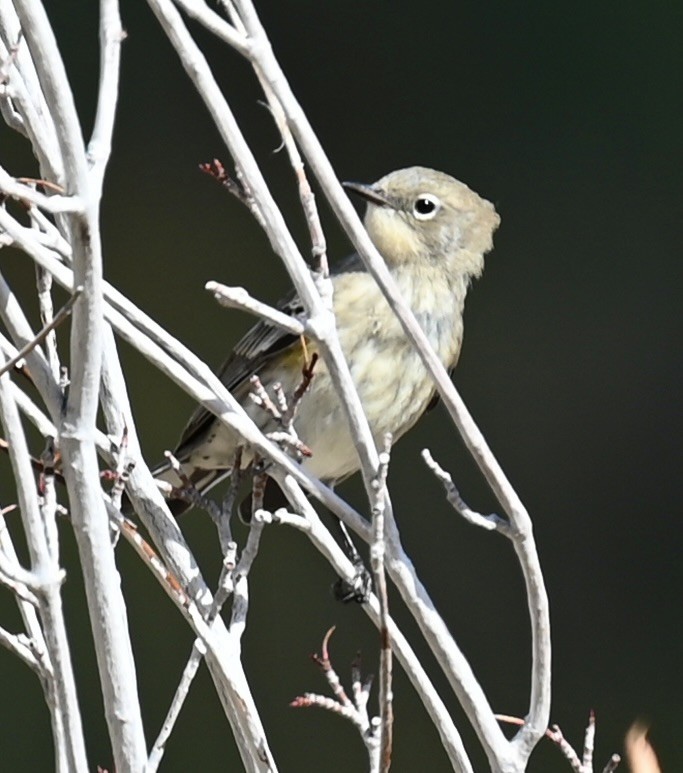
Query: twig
x=554 y=733
x=20 y=189
x=240 y=604
x=47 y=315
x=589 y=743
x=306 y=196
x=60 y=693
x=198 y=652
x=489 y=522
x=557 y=737
x=259 y=395
x=20 y=645
x=309 y=522
x=111 y=35
x=239 y=298
x=212 y=21
x=182 y=691
x=76 y=422
x=355 y=711
x=59 y=317
x=237 y=188
x=377 y=553
x=291 y=406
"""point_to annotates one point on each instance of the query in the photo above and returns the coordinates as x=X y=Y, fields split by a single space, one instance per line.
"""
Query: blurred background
x=568 y=119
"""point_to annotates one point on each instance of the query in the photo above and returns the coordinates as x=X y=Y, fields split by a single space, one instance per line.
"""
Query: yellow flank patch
x=300 y=354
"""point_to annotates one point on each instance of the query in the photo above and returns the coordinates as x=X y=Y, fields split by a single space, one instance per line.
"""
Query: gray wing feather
x=251 y=353
x=253 y=350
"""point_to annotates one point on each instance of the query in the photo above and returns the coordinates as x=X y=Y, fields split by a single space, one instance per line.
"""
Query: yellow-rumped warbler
x=433 y=232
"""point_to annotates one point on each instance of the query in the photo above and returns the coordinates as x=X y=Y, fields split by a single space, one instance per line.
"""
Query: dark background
x=567 y=117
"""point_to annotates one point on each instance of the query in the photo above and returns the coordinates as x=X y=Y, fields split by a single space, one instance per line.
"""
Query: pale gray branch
x=199 y=10
x=488 y=522
x=309 y=522
x=111 y=37
x=239 y=298
x=19 y=644
x=320 y=320
x=28 y=194
x=45 y=567
x=57 y=320
x=77 y=422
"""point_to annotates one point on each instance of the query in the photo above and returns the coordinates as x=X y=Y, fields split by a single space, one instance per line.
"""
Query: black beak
x=369 y=193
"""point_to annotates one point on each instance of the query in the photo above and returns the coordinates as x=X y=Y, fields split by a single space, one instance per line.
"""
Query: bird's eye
x=426 y=206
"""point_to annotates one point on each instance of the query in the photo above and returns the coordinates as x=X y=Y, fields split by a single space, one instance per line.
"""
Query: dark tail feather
x=202 y=480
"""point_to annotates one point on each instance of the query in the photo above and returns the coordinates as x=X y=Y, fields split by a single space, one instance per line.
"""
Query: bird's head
x=419 y=214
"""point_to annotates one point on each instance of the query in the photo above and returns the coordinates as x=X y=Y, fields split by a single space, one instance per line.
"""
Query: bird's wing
x=251 y=353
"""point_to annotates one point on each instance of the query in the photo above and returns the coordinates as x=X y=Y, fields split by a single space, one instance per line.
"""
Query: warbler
x=433 y=233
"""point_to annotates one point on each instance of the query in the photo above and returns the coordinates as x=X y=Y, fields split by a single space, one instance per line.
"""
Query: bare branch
x=589 y=743
x=488 y=522
x=61 y=315
x=198 y=10
x=377 y=553
x=111 y=37
x=76 y=423
x=355 y=711
x=20 y=645
x=239 y=298
x=29 y=195
x=309 y=522
x=45 y=567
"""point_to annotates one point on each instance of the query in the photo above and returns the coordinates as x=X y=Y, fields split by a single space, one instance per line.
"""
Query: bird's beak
x=369 y=192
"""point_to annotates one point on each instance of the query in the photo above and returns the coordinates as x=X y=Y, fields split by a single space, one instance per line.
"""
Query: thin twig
x=589 y=743
x=309 y=522
x=111 y=34
x=235 y=187
x=182 y=691
x=47 y=314
x=554 y=734
x=613 y=764
x=22 y=190
x=353 y=710
x=489 y=522
x=59 y=317
x=20 y=645
x=239 y=298
x=211 y=20
x=240 y=604
x=306 y=196
x=462 y=679
x=377 y=554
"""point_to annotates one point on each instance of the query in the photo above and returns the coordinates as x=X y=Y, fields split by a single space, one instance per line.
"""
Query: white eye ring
x=426 y=206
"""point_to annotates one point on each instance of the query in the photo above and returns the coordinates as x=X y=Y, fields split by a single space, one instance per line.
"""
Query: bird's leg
x=359 y=587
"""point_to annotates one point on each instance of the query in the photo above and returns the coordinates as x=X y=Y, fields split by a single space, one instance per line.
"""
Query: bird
x=433 y=232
